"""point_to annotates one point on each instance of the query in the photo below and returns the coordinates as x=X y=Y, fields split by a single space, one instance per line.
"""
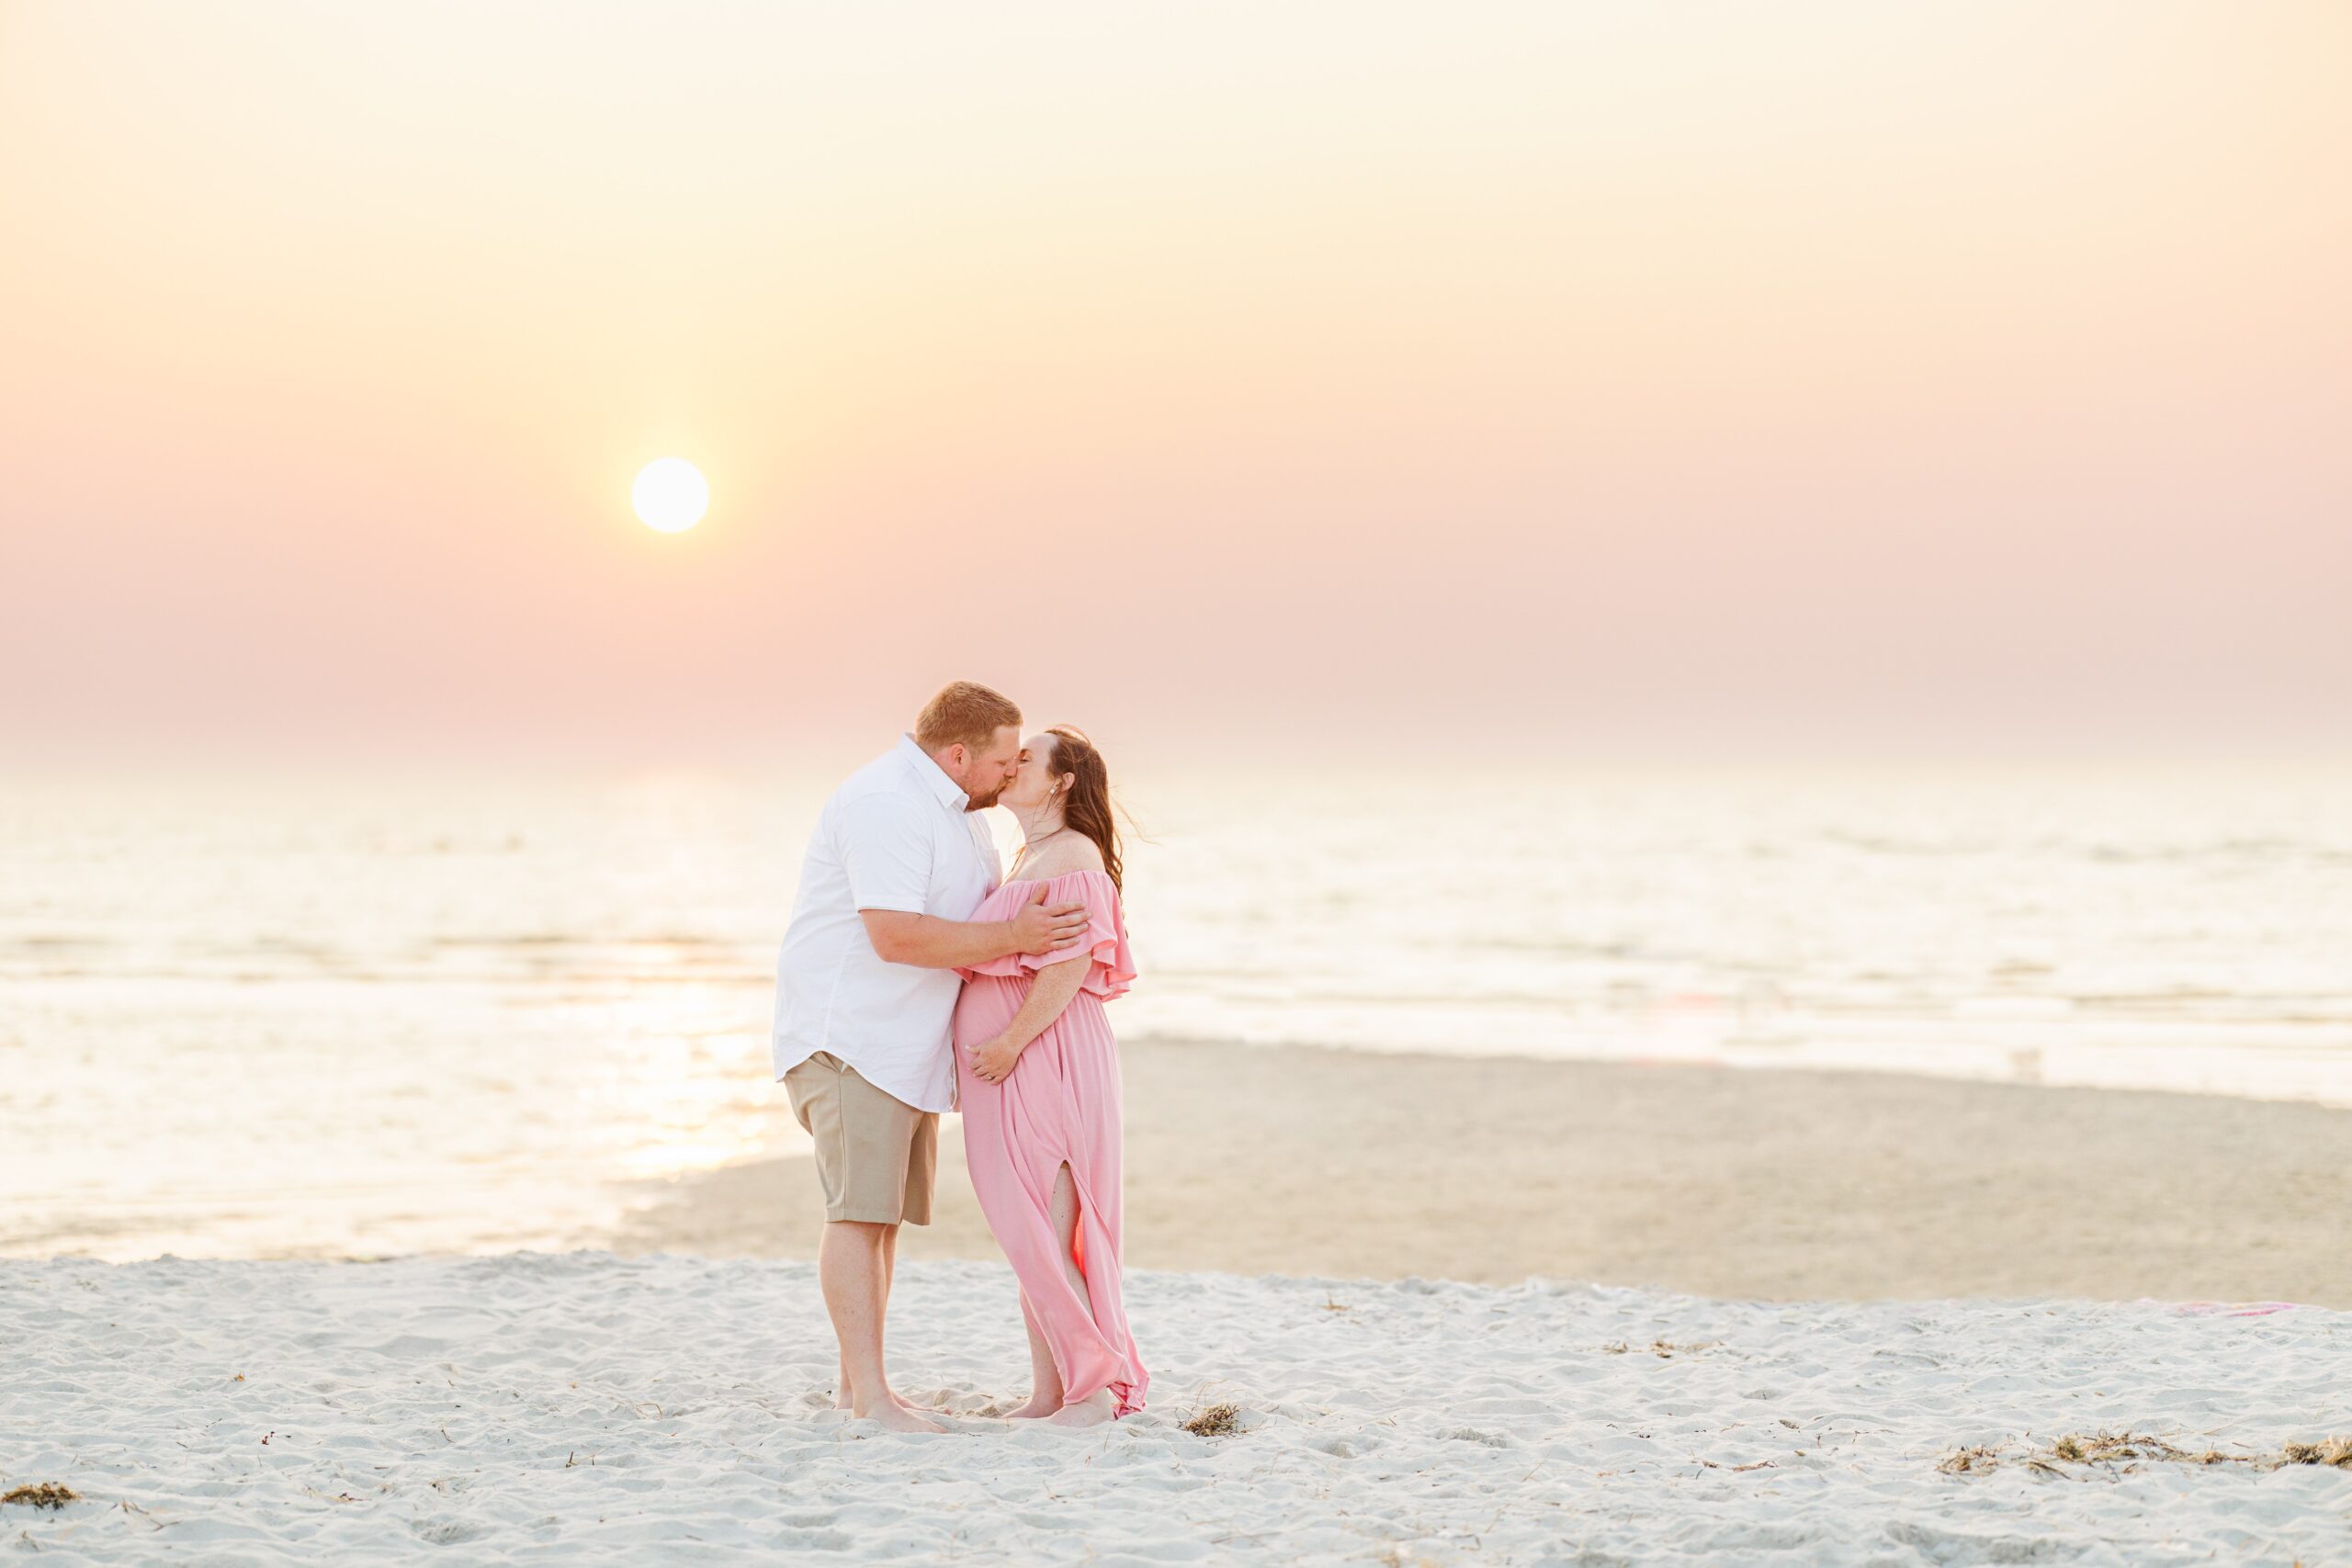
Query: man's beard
x=981 y=803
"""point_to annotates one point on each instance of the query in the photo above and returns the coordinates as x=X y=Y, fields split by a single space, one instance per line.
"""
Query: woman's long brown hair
x=1086 y=808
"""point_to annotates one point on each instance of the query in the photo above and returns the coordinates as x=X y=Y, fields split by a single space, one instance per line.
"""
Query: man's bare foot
x=895 y=1417
x=1091 y=1411
x=841 y=1401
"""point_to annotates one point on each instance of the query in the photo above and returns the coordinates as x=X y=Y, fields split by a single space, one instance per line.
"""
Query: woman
x=1038 y=1080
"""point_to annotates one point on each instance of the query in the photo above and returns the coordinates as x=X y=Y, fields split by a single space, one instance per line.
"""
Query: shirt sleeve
x=886 y=849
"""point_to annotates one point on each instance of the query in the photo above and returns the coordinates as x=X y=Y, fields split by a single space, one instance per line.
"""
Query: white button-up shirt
x=897 y=836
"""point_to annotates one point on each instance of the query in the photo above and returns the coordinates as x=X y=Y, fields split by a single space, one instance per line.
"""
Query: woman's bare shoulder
x=1067 y=852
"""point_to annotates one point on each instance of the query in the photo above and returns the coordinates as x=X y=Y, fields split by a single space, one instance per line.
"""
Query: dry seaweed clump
x=44 y=1494
x=2100 y=1448
x=1968 y=1461
x=1216 y=1421
x=2131 y=1450
x=1664 y=1349
x=2334 y=1452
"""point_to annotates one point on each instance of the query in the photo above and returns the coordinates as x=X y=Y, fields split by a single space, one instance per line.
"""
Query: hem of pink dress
x=1124 y=1401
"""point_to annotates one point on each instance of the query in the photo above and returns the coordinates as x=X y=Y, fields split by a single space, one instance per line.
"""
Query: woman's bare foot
x=893 y=1417
x=1091 y=1411
x=1037 y=1409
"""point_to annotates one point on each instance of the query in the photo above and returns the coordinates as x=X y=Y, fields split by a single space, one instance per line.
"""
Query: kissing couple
x=916 y=978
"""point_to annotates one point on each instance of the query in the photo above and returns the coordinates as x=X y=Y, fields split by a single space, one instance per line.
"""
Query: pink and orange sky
x=1601 y=376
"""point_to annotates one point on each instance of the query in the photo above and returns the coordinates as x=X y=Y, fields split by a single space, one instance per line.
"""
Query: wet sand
x=1755 y=1185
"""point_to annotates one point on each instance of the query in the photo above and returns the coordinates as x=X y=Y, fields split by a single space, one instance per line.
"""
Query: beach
x=1579 y=1230
x=1762 y=1185
x=586 y=1408
x=1461 y=1310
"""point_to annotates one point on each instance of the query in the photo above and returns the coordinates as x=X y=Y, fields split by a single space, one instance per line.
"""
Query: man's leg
x=840 y=1394
x=849 y=1270
x=815 y=1086
x=890 y=1269
x=869 y=1146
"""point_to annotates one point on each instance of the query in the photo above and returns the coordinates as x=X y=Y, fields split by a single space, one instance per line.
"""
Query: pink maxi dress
x=1059 y=1105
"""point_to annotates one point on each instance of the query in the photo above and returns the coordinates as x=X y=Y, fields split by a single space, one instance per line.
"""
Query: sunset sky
x=1580 y=376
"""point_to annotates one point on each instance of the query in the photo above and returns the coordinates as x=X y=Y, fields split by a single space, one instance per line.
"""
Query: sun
x=670 y=494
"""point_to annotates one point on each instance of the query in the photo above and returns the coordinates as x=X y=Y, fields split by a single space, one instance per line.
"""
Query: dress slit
x=1078 y=1208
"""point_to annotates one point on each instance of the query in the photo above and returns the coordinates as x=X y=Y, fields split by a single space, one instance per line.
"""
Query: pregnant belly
x=988 y=1004
x=985 y=1005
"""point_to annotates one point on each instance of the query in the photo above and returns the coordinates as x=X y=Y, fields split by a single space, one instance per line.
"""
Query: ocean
x=351 y=1016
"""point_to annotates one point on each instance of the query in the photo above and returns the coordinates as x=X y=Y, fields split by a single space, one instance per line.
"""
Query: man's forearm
x=927 y=941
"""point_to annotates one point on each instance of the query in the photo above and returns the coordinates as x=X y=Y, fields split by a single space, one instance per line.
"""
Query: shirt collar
x=934 y=777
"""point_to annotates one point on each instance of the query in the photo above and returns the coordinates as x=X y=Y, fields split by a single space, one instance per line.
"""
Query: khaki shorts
x=876 y=1156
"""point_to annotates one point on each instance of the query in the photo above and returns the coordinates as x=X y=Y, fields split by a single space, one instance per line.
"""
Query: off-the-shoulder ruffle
x=1112 y=964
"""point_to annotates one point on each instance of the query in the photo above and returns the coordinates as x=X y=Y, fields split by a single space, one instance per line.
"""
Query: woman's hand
x=993 y=1061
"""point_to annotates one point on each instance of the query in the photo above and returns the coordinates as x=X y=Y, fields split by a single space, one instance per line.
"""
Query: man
x=866 y=993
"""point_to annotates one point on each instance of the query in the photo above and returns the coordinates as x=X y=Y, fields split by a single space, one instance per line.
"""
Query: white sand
x=583 y=1409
